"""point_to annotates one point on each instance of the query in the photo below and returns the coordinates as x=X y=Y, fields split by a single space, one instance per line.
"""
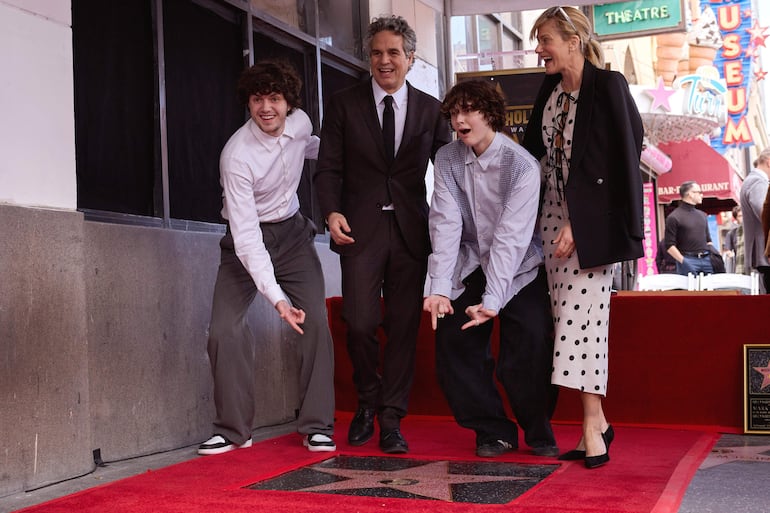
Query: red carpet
x=649 y=472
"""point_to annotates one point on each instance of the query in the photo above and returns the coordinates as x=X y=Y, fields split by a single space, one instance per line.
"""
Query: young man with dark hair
x=486 y=263
x=268 y=249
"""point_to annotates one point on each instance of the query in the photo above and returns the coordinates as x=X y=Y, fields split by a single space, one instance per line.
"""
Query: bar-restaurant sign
x=638 y=18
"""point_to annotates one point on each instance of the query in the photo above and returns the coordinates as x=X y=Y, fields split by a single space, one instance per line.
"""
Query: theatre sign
x=640 y=18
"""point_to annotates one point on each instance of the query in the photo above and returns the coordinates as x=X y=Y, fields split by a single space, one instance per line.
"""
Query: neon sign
x=734 y=62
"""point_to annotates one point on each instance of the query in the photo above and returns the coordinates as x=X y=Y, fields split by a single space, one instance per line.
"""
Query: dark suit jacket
x=604 y=188
x=353 y=178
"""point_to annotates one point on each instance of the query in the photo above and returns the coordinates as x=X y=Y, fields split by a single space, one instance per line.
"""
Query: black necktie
x=389 y=128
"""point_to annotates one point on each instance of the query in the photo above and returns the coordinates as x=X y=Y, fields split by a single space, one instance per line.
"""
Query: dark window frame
x=253 y=23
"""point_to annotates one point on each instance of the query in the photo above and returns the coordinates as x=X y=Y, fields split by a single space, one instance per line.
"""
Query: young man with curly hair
x=268 y=249
x=486 y=263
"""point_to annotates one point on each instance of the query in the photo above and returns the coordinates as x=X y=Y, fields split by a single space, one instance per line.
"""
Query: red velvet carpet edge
x=648 y=473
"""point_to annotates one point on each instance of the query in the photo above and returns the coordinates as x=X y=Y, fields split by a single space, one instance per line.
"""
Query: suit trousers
x=466 y=367
x=383 y=272
x=231 y=345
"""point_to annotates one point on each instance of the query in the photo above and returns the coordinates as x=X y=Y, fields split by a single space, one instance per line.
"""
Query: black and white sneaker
x=218 y=444
x=318 y=442
x=493 y=448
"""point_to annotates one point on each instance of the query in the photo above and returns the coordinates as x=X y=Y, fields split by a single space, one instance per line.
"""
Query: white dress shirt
x=260 y=174
x=400 y=98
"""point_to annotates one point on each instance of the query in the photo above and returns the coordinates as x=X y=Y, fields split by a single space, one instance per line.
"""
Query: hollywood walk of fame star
x=722 y=455
x=450 y=481
x=765 y=371
x=431 y=480
x=660 y=96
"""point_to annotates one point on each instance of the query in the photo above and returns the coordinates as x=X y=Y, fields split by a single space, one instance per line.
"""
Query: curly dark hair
x=270 y=76
x=480 y=95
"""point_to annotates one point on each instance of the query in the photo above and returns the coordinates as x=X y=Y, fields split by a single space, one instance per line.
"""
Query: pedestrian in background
x=753 y=194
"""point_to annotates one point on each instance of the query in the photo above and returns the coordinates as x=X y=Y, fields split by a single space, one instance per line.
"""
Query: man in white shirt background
x=268 y=249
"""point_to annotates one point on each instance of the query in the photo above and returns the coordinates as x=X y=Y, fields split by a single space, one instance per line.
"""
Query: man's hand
x=438 y=306
x=479 y=315
x=339 y=229
x=293 y=316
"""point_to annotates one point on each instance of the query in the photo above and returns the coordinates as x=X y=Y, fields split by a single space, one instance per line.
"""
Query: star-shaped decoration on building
x=752 y=52
x=722 y=455
x=757 y=34
x=760 y=74
x=765 y=371
x=660 y=96
x=747 y=13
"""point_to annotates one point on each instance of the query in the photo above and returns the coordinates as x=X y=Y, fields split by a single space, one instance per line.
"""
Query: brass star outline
x=431 y=480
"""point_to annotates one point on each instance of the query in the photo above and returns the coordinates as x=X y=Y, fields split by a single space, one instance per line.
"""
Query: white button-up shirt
x=260 y=174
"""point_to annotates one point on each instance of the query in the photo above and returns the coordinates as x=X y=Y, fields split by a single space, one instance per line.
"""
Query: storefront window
x=339 y=23
x=463 y=44
x=294 y=13
x=489 y=43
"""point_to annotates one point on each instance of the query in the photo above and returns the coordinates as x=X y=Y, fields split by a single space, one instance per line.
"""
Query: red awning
x=696 y=160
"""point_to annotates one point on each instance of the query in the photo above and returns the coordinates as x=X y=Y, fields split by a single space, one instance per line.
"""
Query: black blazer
x=353 y=177
x=604 y=188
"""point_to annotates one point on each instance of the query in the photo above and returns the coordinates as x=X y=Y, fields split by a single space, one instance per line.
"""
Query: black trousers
x=466 y=368
x=383 y=272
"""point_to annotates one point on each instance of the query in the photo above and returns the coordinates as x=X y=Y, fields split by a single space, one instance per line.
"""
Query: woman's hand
x=565 y=244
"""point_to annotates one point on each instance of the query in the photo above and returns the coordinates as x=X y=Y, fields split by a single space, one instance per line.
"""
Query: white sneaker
x=318 y=442
x=218 y=444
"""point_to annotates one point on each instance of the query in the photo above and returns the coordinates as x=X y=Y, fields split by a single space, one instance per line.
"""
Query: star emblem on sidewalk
x=721 y=455
x=481 y=482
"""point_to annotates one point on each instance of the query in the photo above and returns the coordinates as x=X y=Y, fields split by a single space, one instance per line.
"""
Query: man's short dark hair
x=476 y=95
x=395 y=24
x=268 y=76
x=685 y=187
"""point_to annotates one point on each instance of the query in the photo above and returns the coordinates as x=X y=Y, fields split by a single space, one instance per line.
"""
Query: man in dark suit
x=376 y=140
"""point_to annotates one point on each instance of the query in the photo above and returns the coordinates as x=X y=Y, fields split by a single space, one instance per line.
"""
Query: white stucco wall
x=37 y=134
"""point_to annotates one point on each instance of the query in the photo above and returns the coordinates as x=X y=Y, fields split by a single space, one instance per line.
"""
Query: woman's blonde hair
x=572 y=22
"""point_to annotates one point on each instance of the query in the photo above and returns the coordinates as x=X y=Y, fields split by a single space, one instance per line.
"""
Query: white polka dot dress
x=579 y=297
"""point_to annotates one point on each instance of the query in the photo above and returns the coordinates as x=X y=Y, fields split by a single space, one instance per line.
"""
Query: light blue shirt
x=483 y=214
